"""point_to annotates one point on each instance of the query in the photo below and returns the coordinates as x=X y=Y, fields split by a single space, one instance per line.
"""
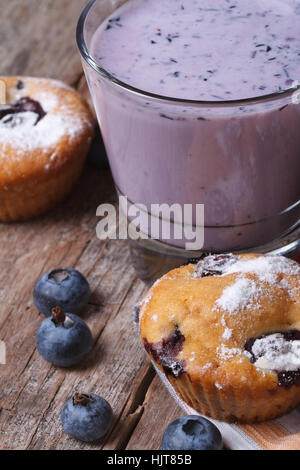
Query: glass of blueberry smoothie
x=198 y=103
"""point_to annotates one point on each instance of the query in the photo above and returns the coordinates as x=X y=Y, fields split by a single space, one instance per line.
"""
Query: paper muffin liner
x=37 y=198
x=231 y=405
x=280 y=434
x=235 y=405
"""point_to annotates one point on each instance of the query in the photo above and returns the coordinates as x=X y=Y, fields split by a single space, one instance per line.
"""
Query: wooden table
x=38 y=38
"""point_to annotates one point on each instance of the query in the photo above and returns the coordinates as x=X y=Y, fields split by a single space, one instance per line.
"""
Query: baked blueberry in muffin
x=226 y=333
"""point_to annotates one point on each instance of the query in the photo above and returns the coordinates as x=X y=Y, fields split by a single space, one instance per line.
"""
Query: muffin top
x=41 y=123
x=230 y=318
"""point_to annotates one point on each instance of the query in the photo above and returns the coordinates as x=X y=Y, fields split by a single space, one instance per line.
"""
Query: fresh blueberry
x=192 y=433
x=65 y=288
x=64 y=340
x=86 y=417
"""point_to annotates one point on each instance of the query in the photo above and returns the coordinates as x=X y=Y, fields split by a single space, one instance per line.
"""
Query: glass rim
x=84 y=51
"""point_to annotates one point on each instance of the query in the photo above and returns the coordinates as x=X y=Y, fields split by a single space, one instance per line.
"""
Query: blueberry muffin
x=226 y=333
x=46 y=130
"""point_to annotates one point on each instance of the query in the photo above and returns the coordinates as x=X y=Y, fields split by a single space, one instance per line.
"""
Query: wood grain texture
x=32 y=392
x=37 y=38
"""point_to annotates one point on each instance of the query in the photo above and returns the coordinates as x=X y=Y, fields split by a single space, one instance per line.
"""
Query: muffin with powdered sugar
x=226 y=334
x=46 y=130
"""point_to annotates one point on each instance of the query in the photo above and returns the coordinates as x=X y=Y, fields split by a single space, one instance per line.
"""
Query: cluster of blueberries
x=64 y=339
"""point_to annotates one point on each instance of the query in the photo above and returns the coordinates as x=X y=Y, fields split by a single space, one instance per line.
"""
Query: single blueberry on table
x=192 y=433
x=63 y=339
x=87 y=417
x=65 y=288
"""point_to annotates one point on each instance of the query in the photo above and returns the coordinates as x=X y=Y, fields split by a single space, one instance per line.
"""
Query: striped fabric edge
x=280 y=434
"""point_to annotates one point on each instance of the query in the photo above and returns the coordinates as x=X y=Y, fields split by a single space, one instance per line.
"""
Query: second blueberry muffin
x=46 y=130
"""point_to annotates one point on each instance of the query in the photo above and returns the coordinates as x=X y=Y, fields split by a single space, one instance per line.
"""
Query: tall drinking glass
x=241 y=159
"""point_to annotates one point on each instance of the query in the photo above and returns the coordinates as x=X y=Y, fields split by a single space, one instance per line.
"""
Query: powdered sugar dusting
x=274 y=352
x=245 y=292
x=214 y=265
x=293 y=291
x=192 y=358
x=242 y=294
x=227 y=334
x=21 y=133
x=206 y=366
x=226 y=353
x=48 y=101
x=266 y=268
x=227 y=331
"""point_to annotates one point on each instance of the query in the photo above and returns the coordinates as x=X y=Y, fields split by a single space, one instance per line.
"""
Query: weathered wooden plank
x=38 y=38
x=107 y=372
x=160 y=410
x=26 y=375
x=133 y=411
x=35 y=247
x=32 y=392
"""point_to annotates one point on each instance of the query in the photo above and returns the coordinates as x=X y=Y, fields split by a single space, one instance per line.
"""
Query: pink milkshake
x=194 y=99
